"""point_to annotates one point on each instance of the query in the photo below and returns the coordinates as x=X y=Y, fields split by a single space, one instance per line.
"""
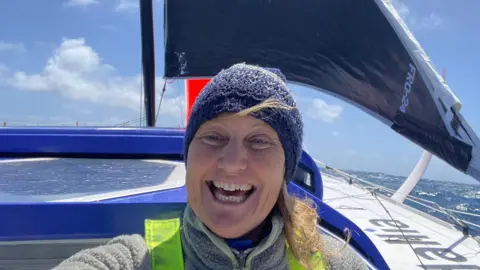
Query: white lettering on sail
x=407 y=87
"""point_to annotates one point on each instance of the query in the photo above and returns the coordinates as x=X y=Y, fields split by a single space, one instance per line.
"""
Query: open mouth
x=230 y=193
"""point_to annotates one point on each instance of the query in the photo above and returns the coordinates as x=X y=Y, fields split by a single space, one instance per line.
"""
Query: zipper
x=241 y=259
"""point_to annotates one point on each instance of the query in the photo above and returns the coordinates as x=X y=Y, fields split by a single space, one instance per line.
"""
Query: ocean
x=55 y=179
x=58 y=179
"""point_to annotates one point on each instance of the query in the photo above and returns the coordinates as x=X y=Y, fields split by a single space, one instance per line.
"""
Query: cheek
x=194 y=173
x=200 y=154
x=199 y=162
x=270 y=164
x=270 y=169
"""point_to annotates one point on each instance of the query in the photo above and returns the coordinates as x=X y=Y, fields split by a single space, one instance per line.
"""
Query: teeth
x=232 y=187
x=235 y=199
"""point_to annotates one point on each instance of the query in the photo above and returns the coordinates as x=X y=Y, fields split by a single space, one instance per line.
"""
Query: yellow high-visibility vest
x=163 y=240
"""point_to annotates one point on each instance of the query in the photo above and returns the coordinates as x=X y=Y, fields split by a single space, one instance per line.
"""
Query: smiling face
x=235 y=170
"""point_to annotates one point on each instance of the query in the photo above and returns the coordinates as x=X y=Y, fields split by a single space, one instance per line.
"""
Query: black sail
x=359 y=51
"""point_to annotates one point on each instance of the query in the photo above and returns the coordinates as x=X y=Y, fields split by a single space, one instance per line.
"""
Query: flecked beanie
x=240 y=87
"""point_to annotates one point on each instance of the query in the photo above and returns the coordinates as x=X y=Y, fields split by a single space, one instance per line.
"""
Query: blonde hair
x=268 y=103
x=300 y=219
x=299 y=215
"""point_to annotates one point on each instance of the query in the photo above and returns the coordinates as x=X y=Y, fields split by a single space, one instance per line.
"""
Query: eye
x=259 y=142
x=213 y=139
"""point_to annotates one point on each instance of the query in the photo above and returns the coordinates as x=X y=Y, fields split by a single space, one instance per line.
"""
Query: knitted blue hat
x=240 y=87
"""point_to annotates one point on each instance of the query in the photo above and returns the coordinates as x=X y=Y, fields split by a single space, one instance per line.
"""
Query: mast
x=148 y=59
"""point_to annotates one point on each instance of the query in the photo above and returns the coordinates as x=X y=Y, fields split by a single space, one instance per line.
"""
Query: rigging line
x=446 y=211
x=367 y=188
x=349 y=197
x=472 y=224
x=409 y=197
x=338 y=190
x=470 y=255
x=358 y=196
x=368 y=183
x=400 y=229
x=130 y=122
x=350 y=207
x=344 y=174
x=160 y=102
x=464 y=213
x=439 y=209
x=414 y=199
x=141 y=98
x=458 y=221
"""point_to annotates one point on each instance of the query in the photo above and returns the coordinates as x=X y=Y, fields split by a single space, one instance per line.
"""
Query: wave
x=472 y=195
x=462 y=207
x=429 y=194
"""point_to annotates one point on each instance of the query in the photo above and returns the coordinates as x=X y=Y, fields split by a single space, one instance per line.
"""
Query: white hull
x=435 y=242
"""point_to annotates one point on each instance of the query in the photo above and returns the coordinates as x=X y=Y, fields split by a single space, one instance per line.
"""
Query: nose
x=233 y=157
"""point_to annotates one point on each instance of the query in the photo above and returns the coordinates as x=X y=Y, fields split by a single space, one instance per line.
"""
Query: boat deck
x=412 y=239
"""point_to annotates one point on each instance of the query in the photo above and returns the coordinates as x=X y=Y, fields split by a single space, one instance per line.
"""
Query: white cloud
x=14 y=47
x=401 y=8
x=127 y=6
x=81 y=2
x=76 y=71
x=172 y=106
x=428 y=22
x=323 y=111
x=417 y=21
x=431 y=21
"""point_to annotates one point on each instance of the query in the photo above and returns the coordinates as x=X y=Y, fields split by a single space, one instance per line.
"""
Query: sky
x=69 y=61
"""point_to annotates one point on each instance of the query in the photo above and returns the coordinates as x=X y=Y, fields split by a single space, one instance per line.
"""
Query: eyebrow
x=223 y=125
x=259 y=125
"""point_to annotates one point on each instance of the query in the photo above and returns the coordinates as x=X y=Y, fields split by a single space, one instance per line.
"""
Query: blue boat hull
x=126 y=214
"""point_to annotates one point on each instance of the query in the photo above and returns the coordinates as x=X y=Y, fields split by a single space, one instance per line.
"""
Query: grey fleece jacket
x=204 y=250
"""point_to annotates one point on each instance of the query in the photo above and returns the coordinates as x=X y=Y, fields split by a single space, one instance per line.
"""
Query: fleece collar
x=204 y=250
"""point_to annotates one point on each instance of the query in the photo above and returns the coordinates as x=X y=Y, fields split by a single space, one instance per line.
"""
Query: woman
x=242 y=145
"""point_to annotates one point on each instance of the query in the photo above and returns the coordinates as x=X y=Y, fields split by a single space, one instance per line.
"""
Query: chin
x=229 y=232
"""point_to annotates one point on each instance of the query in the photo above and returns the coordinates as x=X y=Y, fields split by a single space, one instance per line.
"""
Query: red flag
x=193 y=87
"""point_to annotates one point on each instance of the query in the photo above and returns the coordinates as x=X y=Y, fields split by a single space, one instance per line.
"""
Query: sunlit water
x=68 y=178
